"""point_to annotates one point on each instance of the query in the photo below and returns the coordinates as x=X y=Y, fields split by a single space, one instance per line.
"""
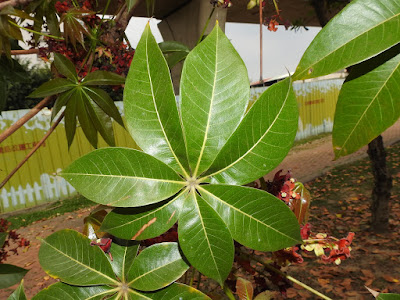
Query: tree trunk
x=382 y=186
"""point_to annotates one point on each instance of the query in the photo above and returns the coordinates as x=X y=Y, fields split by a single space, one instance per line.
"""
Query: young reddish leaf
x=244 y=289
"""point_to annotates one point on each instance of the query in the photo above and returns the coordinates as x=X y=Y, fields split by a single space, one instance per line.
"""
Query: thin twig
x=292 y=279
x=205 y=26
x=23 y=52
x=21 y=163
x=13 y=3
x=10 y=130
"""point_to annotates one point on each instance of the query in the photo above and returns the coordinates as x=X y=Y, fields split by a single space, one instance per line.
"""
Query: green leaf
x=74 y=27
x=103 y=100
x=85 y=119
x=156 y=267
x=174 y=58
x=173 y=46
x=369 y=102
x=10 y=275
x=3 y=236
x=150 y=107
x=19 y=293
x=244 y=289
x=67 y=254
x=174 y=52
x=61 y=101
x=388 y=296
x=255 y=218
x=178 y=291
x=52 y=87
x=103 y=78
x=214 y=95
x=61 y=290
x=70 y=120
x=262 y=140
x=361 y=30
x=122 y=177
x=134 y=295
x=204 y=239
x=143 y=222
x=101 y=121
x=123 y=253
x=65 y=67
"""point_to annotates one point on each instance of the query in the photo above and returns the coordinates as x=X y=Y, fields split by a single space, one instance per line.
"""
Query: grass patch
x=56 y=208
x=311 y=139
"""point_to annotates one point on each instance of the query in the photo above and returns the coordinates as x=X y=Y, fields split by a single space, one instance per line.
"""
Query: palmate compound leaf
x=67 y=254
x=205 y=221
x=262 y=140
x=122 y=177
x=368 y=103
x=214 y=94
x=361 y=30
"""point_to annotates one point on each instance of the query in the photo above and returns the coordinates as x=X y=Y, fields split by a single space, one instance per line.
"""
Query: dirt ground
x=306 y=161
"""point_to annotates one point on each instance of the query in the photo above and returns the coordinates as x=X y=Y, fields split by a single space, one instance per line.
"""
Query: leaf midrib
x=205 y=233
x=367 y=109
x=156 y=109
x=343 y=45
x=244 y=213
x=209 y=111
x=126 y=176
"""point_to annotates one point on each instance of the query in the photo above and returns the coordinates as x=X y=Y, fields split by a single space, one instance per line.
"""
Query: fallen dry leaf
x=390 y=278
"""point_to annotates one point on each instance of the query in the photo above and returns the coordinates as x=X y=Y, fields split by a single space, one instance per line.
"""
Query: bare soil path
x=306 y=161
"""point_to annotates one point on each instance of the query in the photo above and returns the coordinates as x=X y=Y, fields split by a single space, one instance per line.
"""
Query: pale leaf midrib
x=242 y=212
x=125 y=176
x=210 y=108
x=344 y=45
x=206 y=235
x=384 y=84
x=259 y=140
x=80 y=263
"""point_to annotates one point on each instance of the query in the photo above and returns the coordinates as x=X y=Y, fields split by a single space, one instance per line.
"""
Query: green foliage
x=10 y=275
x=368 y=102
x=174 y=52
x=361 y=30
x=19 y=293
x=91 y=106
x=86 y=272
x=168 y=180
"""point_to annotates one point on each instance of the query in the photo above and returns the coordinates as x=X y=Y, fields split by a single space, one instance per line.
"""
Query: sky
x=282 y=49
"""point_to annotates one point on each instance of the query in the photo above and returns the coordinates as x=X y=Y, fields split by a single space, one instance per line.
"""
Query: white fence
x=50 y=188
